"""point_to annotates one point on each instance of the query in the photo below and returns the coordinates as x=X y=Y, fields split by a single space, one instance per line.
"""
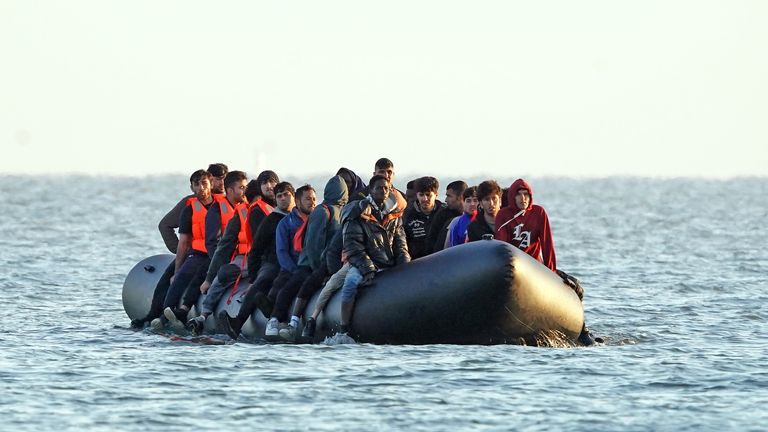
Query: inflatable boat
x=484 y=292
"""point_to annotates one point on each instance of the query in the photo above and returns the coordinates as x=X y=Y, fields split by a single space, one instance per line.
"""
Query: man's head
x=380 y=187
x=349 y=178
x=520 y=195
x=235 y=183
x=426 y=192
x=200 y=184
x=386 y=168
x=267 y=181
x=285 y=196
x=489 y=195
x=306 y=197
x=252 y=191
x=454 y=195
x=469 y=197
x=218 y=172
x=410 y=192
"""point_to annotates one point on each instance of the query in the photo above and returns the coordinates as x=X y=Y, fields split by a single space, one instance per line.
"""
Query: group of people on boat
x=287 y=247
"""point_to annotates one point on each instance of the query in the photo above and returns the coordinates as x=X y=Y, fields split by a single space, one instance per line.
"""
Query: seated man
x=289 y=240
x=526 y=226
x=191 y=254
x=457 y=229
x=489 y=195
x=374 y=240
x=262 y=260
x=454 y=204
x=418 y=217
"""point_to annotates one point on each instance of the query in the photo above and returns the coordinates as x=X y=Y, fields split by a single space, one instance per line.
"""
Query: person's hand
x=367 y=279
x=204 y=287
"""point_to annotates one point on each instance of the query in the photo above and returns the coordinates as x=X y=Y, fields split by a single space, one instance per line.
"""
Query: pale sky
x=508 y=88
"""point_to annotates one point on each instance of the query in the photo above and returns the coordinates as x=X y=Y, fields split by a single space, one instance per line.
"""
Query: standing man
x=457 y=228
x=438 y=228
x=489 y=194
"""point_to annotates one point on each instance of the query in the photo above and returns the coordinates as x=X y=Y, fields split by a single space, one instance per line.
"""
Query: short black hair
x=234 y=177
x=458 y=186
x=469 y=192
x=284 y=187
x=198 y=176
x=384 y=163
x=426 y=184
x=409 y=185
x=218 y=169
x=253 y=190
x=376 y=178
x=302 y=190
x=488 y=188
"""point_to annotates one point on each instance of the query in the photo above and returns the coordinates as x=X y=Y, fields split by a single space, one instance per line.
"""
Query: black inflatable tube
x=485 y=292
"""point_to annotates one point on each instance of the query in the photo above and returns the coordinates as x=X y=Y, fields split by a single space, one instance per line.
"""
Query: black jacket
x=477 y=228
x=263 y=246
x=417 y=226
x=372 y=245
x=438 y=228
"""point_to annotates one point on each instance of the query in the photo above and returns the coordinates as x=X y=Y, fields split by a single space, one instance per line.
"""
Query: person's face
x=389 y=173
x=285 y=201
x=453 y=200
x=470 y=204
x=217 y=184
x=307 y=202
x=491 y=204
x=236 y=193
x=202 y=189
x=522 y=199
x=268 y=189
x=380 y=191
x=426 y=200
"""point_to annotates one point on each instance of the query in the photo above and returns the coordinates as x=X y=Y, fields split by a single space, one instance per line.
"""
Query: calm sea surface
x=676 y=279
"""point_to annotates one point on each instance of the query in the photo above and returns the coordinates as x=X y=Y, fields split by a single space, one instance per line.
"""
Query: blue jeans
x=351 y=283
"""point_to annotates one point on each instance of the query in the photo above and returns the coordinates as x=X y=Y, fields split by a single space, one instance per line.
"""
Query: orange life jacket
x=245 y=236
x=198 y=224
x=226 y=210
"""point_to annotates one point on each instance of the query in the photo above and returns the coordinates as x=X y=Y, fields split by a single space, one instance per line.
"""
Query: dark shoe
x=234 y=325
x=196 y=325
x=309 y=329
x=585 y=338
x=137 y=324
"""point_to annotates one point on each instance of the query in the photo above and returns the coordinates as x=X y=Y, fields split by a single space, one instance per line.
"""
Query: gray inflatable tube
x=484 y=292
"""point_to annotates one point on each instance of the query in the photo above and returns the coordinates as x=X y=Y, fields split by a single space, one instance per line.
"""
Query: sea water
x=675 y=273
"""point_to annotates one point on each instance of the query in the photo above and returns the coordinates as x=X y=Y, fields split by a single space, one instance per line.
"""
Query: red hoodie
x=527 y=229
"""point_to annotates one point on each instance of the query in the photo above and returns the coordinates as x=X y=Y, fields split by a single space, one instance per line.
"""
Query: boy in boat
x=374 y=240
x=186 y=284
x=289 y=241
x=323 y=223
x=438 y=227
x=526 y=226
x=419 y=215
x=457 y=229
x=234 y=246
x=262 y=260
x=489 y=195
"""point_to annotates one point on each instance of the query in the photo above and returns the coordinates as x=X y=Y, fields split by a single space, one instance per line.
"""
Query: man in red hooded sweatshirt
x=526 y=226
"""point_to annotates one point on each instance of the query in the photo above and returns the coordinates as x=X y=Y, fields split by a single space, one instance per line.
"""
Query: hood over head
x=512 y=191
x=358 y=185
x=335 y=192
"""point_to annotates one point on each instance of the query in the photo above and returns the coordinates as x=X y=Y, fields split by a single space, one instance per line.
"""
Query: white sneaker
x=272 y=328
x=295 y=322
x=157 y=325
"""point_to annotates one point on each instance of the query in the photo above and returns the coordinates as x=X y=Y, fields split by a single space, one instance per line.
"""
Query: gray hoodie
x=323 y=223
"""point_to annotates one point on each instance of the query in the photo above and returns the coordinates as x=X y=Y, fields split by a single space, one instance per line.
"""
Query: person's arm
x=547 y=244
x=258 y=247
x=399 y=245
x=502 y=223
x=283 y=245
x=185 y=244
x=224 y=249
x=354 y=244
x=169 y=223
x=212 y=228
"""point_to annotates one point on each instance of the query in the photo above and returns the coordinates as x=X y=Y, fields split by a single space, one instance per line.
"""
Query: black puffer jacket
x=372 y=245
